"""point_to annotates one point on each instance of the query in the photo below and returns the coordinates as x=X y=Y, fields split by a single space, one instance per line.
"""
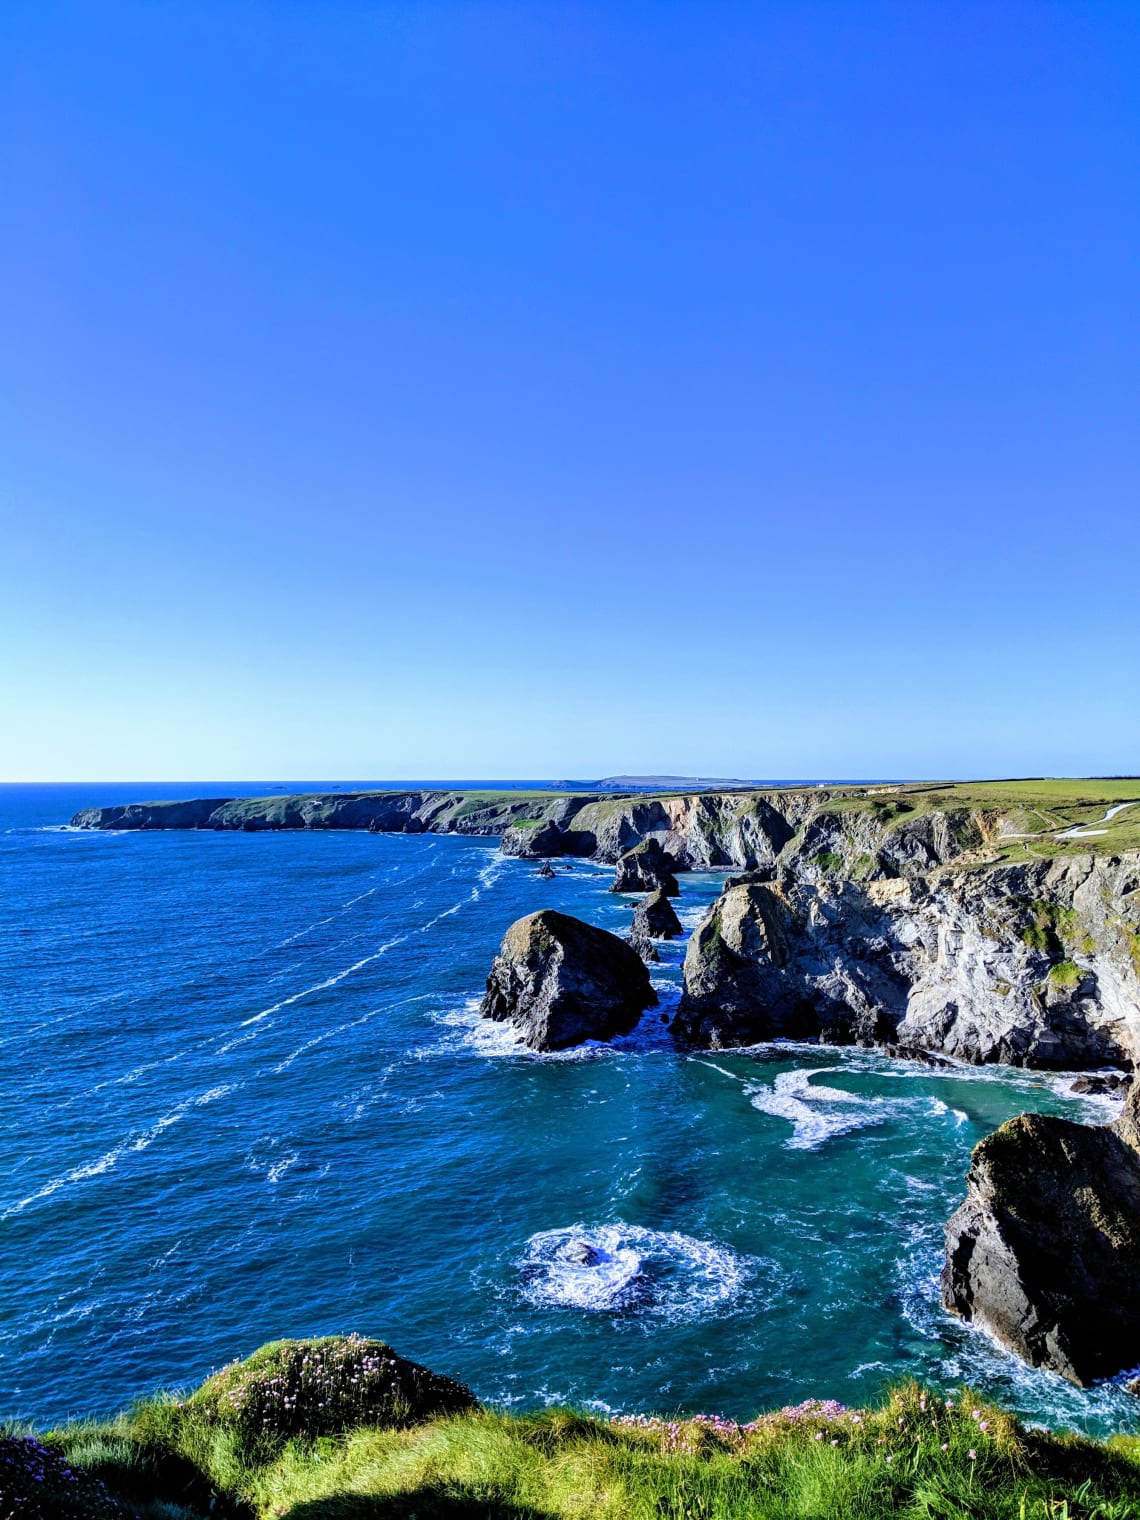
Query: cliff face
x=1032 y=964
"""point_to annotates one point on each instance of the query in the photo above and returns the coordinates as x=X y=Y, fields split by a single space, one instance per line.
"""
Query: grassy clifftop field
x=340 y=1429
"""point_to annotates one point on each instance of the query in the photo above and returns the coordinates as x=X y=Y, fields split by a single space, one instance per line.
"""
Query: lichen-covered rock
x=561 y=981
x=322 y=1387
x=654 y=917
x=1044 y=1254
x=648 y=867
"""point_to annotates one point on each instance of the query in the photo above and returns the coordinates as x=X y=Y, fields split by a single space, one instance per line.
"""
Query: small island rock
x=656 y=918
x=561 y=981
x=644 y=947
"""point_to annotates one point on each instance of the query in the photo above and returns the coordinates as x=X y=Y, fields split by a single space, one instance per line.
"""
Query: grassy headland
x=247 y=1444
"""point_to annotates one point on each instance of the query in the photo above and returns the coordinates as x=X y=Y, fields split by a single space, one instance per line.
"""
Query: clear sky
x=556 y=389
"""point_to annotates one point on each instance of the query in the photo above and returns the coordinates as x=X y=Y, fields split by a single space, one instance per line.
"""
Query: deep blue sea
x=246 y=1094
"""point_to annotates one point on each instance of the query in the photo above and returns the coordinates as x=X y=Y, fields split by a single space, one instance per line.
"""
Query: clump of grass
x=1065 y=974
x=323 y=1387
x=918 y=1454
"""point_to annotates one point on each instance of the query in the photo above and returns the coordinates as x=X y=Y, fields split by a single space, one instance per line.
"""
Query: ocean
x=247 y=1094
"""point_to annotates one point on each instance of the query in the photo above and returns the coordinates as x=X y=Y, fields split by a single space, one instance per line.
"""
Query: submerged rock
x=655 y=917
x=648 y=867
x=1044 y=1254
x=561 y=981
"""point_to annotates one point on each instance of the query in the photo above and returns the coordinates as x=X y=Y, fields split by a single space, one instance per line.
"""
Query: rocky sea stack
x=648 y=867
x=655 y=917
x=1044 y=1254
x=561 y=981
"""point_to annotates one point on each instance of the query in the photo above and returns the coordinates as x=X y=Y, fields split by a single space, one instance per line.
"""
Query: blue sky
x=559 y=389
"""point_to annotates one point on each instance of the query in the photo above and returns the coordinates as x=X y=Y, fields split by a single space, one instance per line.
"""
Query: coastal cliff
x=1034 y=963
x=991 y=922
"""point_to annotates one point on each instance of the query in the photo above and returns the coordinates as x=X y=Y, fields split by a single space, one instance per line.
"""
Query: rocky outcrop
x=536 y=839
x=1031 y=964
x=561 y=981
x=1044 y=1254
x=647 y=868
x=655 y=918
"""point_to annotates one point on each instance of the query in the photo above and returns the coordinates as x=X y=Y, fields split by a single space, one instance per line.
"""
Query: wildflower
x=946 y=1446
x=835 y=1441
x=890 y=1459
x=819 y=1435
x=985 y=1425
x=972 y=1454
x=949 y=1403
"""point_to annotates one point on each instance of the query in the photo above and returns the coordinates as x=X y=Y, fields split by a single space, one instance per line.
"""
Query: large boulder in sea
x=324 y=1387
x=1044 y=1254
x=655 y=917
x=647 y=867
x=561 y=981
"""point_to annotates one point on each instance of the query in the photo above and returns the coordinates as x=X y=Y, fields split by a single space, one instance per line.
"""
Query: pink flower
x=946 y=1446
x=819 y=1435
x=972 y=1454
x=985 y=1425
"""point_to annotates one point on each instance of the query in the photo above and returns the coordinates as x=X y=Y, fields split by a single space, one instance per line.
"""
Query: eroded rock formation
x=648 y=867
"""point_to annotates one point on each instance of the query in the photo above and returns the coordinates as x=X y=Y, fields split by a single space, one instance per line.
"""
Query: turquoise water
x=247 y=1095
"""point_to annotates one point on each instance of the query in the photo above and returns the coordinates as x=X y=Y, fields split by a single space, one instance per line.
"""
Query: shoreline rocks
x=1044 y=1253
x=560 y=982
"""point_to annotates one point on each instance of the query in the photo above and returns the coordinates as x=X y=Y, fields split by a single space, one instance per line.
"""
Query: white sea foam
x=494 y=1039
x=624 y=1268
x=816 y=1113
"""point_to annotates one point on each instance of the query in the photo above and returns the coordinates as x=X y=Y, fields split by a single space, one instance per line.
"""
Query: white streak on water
x=138 y=1141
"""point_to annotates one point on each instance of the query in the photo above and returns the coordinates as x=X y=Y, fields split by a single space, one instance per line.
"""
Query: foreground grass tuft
x=918 y=1455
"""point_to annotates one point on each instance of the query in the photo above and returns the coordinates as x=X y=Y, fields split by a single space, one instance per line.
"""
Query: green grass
x=916 y=1455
